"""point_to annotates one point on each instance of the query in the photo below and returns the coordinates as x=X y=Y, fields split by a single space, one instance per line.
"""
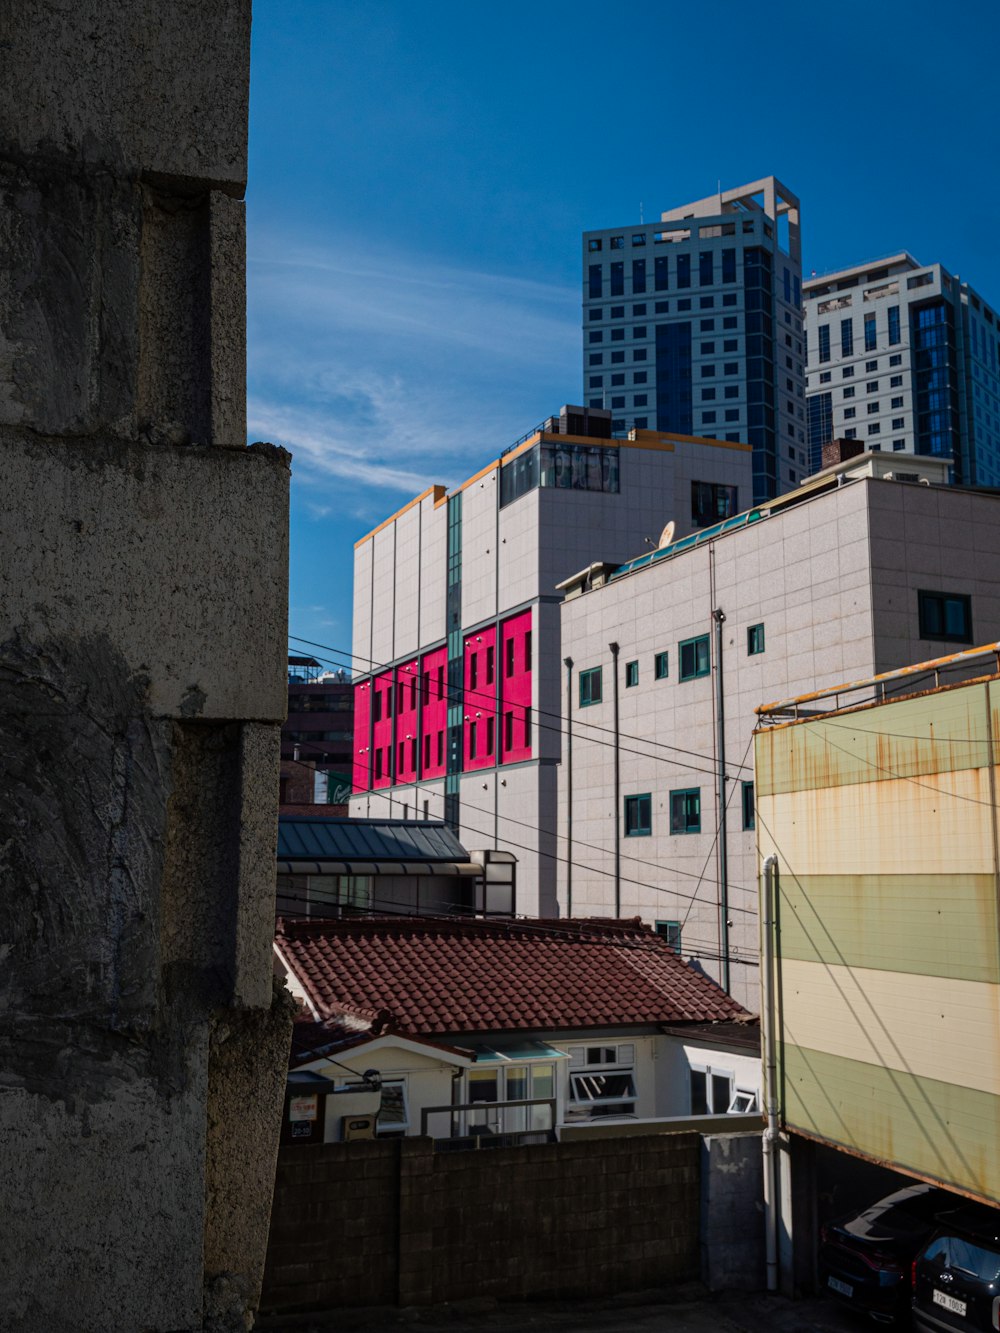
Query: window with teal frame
x=661 y=666
x=631 y=674
x=638 y=816
x=755 y=639
x=685 y=810
x=590 y=687
x=695 y=657
x=671 y=932
x=749 y=819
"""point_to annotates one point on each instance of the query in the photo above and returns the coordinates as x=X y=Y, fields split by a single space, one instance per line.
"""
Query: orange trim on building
x=439 y=492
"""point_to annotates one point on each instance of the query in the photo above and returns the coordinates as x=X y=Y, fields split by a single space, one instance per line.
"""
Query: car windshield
x=967 y=1257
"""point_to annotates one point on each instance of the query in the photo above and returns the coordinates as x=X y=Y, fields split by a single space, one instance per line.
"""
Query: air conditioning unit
x=357 y=1127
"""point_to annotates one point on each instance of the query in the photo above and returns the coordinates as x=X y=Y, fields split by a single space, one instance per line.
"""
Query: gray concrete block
x=138 y=89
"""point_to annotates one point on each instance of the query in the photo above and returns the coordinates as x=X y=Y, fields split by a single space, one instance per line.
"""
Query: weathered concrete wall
x=732 y=1216
x=392 y=1221
x=142 y=638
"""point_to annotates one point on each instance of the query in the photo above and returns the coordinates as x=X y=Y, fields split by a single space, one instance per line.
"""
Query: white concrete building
x=905 y=357
x=693 y=323
x=456 y=616
x=851 y=575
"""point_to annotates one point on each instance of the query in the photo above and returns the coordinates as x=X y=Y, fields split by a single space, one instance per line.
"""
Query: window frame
x=661 y=665
x=699 y=671
x=685 y=826
x=925 y=597
x=672 y=933
x=749 y=807
x=587 y=698
x=632 y=809
x=755 y=639
x=631 y=675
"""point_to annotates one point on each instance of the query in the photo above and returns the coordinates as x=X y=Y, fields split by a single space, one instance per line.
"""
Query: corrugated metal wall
x=884 y=825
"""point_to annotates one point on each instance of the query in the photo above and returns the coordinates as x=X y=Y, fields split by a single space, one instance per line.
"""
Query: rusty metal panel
x=931 y=733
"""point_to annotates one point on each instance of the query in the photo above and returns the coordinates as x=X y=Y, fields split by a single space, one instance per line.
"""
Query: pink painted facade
x=433 y=683
x=361 y=757
x=516 y=665
x=407 y=738
x=479 y=709
x=383 y=730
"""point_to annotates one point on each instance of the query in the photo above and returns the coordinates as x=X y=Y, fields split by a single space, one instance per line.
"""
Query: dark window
x=824 y=342
x=694 y=657
x=711 y=502
x=527 y=651
x=489 y=664
x=683 y=270
x=618 y=279
x=847 y=337
x=705 y=268
x=440 y=748
x=661 y=277
x=509 y=657
x=638 y=276
x=427 y=751
x=508 y=730
x=631 y=674
x=755 y=639
x=378 y=763
x=671 y=932
x=893 y=324
x=945 y=615
x=473 y=671
x=472 y=740
x=871 y=341
x=490 y=730
x=594 y=243
x=685 y=810
x=661 y=666
x=594 y=277
x=617 y=243
x=729 y=266
x=590 y=687
x=749 y=821
x=638 y=816
x=377 y=701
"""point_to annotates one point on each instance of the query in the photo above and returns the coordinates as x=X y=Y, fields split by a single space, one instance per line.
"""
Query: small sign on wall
x=303 y=1108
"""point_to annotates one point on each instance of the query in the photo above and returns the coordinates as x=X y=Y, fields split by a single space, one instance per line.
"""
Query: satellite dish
x=667 y=535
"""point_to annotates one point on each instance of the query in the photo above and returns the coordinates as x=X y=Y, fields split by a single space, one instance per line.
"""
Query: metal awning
x=297 y=867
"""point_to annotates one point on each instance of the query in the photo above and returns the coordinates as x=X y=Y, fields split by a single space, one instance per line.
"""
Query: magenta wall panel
x=433 y=685
x=515 y=665
x=407 y=712
x=479 y=700
x=360 y=757
x=382 y=730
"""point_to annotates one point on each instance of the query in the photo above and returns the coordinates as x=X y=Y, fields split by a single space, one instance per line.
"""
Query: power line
x=488 y=701
x=385 y=794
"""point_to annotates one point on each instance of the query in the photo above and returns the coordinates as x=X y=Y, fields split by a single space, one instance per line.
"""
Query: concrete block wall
x=142 y=682
x=394 y=1222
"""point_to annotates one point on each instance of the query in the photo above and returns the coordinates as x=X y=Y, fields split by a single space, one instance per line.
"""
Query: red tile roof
x=427 y=975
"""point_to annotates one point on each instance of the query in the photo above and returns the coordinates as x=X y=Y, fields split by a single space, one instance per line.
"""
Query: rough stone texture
x=142 y=635
x=134 y=87
x=551 y=1220
x=732 y=1216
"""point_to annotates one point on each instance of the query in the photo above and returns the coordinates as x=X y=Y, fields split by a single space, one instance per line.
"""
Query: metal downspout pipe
x=722 y=842
x=618 y=804
x=568 y=663
x=770 y=1139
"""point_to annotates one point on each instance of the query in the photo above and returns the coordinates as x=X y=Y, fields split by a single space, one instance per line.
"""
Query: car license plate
x=844 y=1288
x=951 y=1303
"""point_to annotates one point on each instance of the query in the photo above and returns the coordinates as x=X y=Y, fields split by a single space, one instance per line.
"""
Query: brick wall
x=394 y=1222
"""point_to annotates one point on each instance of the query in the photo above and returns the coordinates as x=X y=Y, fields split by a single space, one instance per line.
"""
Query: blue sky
x=421 y=170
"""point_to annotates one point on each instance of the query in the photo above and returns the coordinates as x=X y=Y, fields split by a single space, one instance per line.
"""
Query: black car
x=956 y=1275
x=865 y=1257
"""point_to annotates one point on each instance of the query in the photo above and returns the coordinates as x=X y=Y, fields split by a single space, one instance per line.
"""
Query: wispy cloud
x=386 y=370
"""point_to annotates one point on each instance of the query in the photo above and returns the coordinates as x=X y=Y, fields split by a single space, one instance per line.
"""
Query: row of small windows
x=847 y=372
x=684 y=808
x=709 y=274
x=847 y=335
x=694 y=656
x=663 y=308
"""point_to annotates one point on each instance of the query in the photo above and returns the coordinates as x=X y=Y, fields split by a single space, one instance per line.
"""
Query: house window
x=638 y=816
x=695 y=657
x=755 y=639
x=473 y=670
x=711 y=1090
x=509 y=657
x=711 y=501
x=590 y=687
x=945 y=615
x=472 y=740
x=671 y=932
x=749 y=820
x=631 y=674
x=527 y=651
x=601 y=1082
x=489 y=665
x=490 y=733
x=508 y=730
x=393 y=1119
x=661 y=666
x=685 y=810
